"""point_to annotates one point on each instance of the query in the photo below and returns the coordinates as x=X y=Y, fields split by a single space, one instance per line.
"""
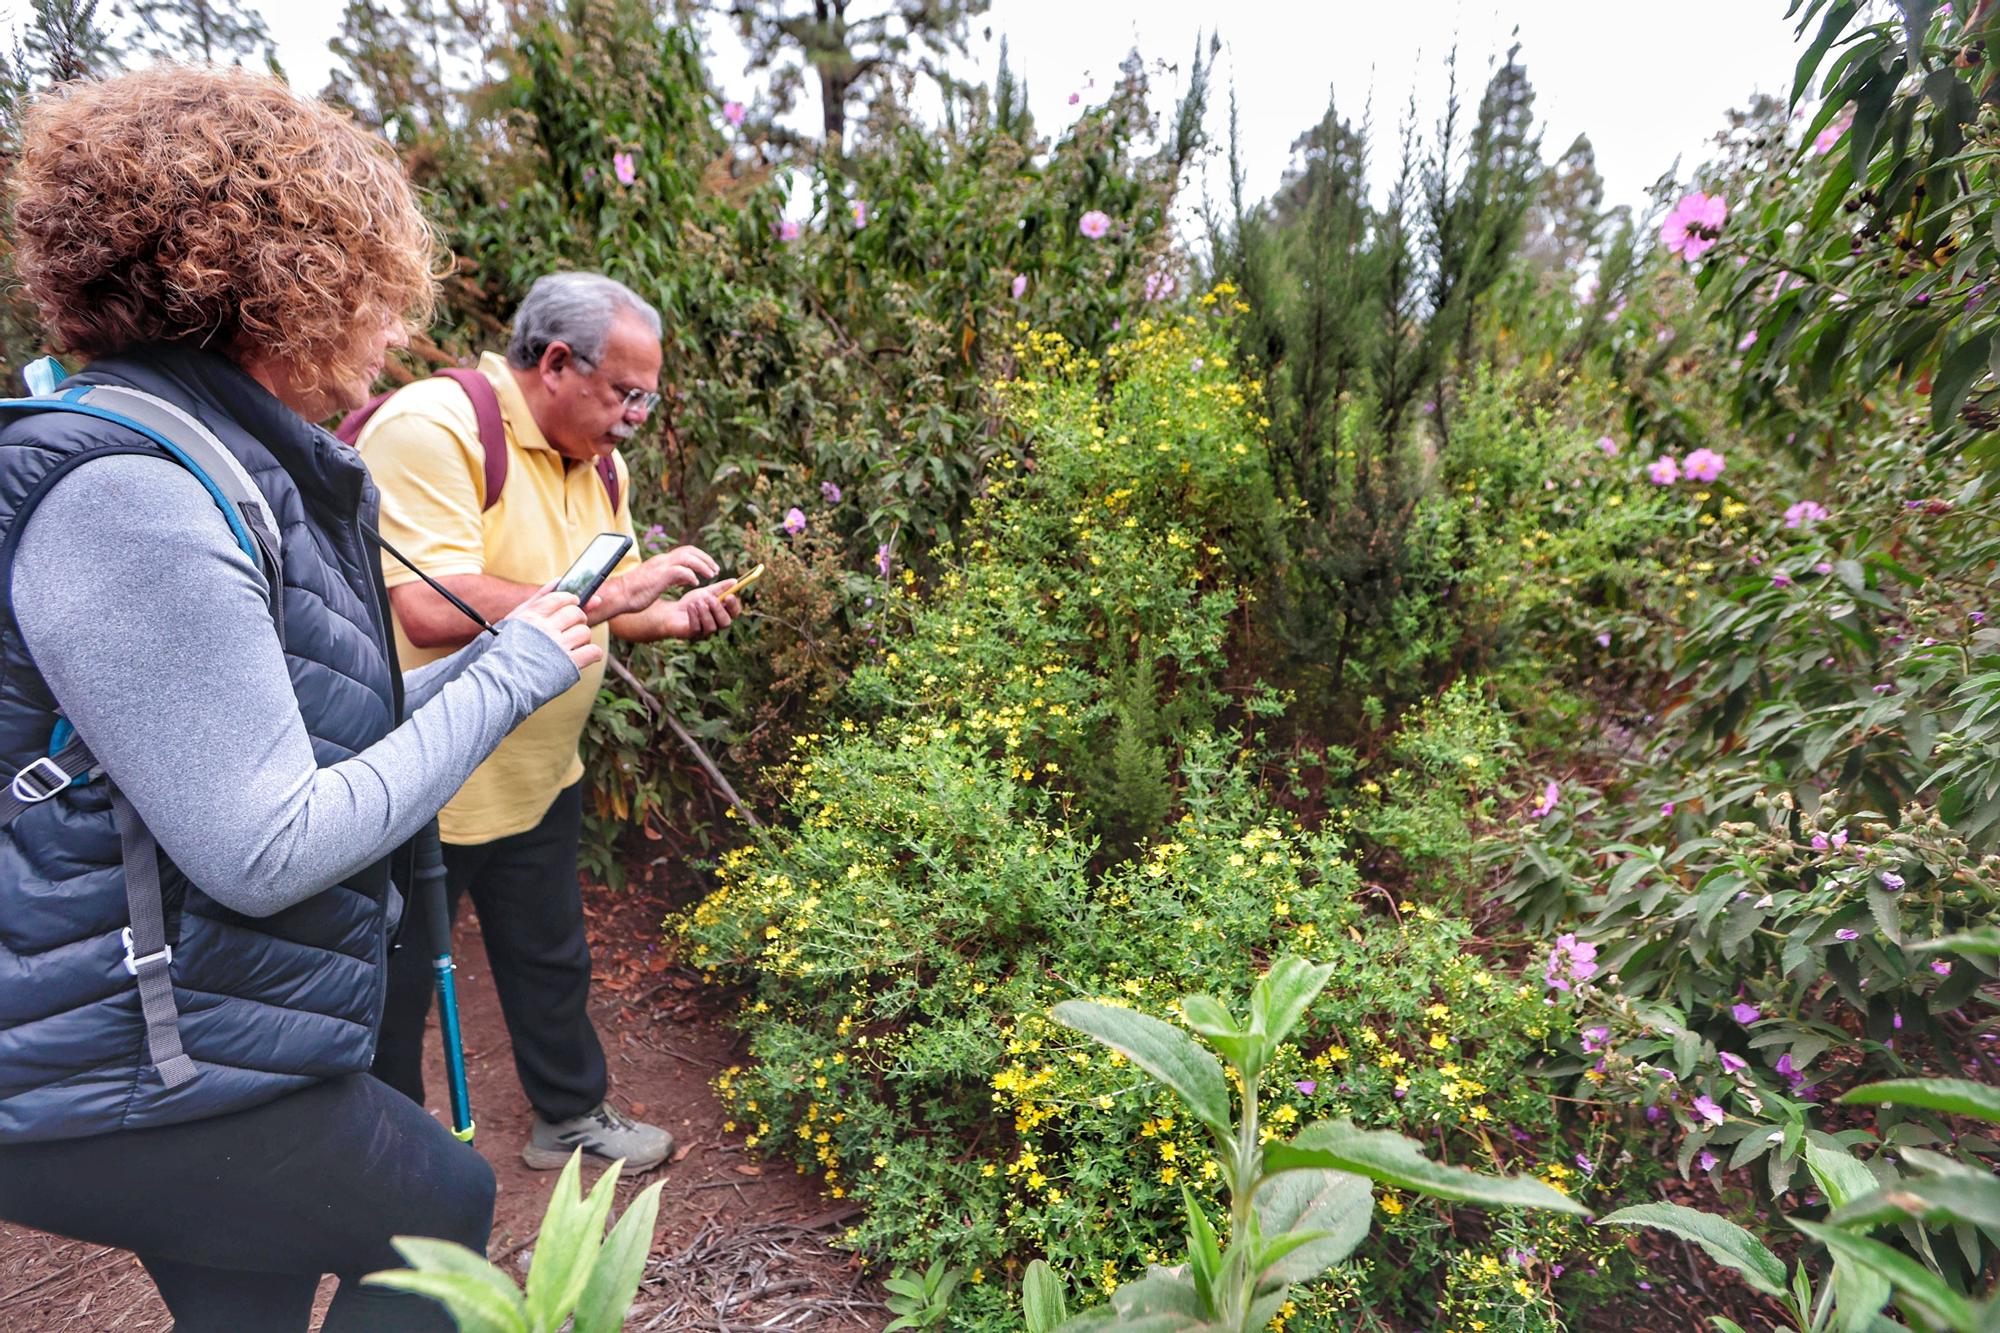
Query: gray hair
x=575 y=309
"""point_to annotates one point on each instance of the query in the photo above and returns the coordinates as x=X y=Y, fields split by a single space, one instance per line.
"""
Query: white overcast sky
x=1647 y=89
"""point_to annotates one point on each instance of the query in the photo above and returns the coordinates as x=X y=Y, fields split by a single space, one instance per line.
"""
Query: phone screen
x=594 y=565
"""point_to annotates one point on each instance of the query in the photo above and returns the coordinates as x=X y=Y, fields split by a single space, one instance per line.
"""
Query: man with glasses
x=582 y=372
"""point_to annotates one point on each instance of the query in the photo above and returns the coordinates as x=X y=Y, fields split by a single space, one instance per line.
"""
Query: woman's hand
x=557 y=615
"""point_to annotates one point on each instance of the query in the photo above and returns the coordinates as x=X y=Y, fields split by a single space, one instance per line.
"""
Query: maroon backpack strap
x=350 y=427
x=607 y=471
x=492 y=431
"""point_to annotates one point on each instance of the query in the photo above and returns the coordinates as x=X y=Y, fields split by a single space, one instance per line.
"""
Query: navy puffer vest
x=267 y=1004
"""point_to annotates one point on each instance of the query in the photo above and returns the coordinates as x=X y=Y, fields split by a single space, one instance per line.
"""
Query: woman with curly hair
x=246 y=257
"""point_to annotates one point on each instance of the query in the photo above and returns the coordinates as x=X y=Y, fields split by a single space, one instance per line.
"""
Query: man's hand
x=638 y=589
x=702 y=612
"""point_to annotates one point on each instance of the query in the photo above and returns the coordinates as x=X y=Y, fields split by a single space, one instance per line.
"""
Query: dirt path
x=740 y=1243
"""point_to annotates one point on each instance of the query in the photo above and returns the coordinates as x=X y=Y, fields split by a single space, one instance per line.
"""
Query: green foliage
x=580 y=1278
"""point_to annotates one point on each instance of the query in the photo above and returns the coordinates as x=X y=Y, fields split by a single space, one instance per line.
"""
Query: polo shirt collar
x=513 y=407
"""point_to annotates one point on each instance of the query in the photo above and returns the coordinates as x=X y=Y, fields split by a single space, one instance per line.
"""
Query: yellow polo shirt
x=422 y=447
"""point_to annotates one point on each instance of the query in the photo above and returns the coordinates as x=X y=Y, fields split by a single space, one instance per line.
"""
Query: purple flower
x=1663 y=471
x=1891 y=880
x=1572 y=960
x=1839 y=838
x=1160 y=285
x=1781 y=580
x=858 y=210
x=1307 y=1085
x=1705 y=1107
x=1883 y=688
x=1819 y=842
x=1594 y=1039
x=1734 y=1064
x=627 y=170
x=1845 y=934
x=1430 y=406
x=1667 y=809
x=1074 y=98
x=1746 y=1014
x=795 y=520
x=1747 y=341
x=1943 y=969
x=1653 y=1114
x=1702 y=465
x=1823 y=567
x=1551 y=793
x=1977 y=617
x=1584 y=1165
x=1694 y=225
x=1707 y=1161
x=1020 y=287
x=882 y=559
x=1094 y=224
x=1607 y=446
x=788 y=230
x=1804 y=514
x=1604 y=640
x=829 y=492
x=733 y=112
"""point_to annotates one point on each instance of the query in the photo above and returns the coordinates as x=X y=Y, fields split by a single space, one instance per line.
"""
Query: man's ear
x=556 y=358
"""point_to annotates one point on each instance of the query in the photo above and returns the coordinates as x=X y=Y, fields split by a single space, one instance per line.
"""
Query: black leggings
x=238 y=1216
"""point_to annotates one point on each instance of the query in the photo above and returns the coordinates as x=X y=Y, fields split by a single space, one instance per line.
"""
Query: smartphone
x=594 y=566
x=743 y=583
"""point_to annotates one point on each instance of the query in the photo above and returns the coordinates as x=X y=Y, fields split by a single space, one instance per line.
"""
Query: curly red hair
x=218 y=207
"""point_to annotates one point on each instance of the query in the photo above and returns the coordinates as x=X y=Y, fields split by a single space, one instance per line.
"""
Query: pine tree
x=209 y=32
x=850 y=47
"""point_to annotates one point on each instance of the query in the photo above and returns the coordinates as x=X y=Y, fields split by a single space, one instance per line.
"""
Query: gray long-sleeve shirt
x=151 y=628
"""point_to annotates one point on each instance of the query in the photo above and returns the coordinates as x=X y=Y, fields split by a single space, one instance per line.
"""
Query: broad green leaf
x=621 y=1264
x=1042 y=1298
x=1937 y=1200
x=443 y=1256
x=474 y=1306
x=1840 y=1177
x=1905 y=1274
x=1956 y=371
x=1984 y=941
x=1162 y=1050
x=1334 y=1203
x=1212 y=1020
x=1953 y=1096
x=1282 y=995
x=1394 y=1160
x=1724 y=1241
x=1204 y=1255
x=563 y=1260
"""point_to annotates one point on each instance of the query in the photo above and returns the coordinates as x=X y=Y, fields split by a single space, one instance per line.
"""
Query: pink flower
x=1845 y=934
x=1734 y=1064
x=1707 y=1161
x=1702 y=465
x=733 y=112
x=1604 y=640
x=1747 y=341
x=1746 y=1014
x=795 y=520
x=623 y=166
x=859 y=211
x=1160 y=285
x=1824 y=141
x=1804 y=514
x=1819 y=842
x=1020 y=285
x=1781 y=580
x=1943 y=969
x=1571 y=960
x=829 y=492
x=1307 y=1086
x=1694 y=225
x=1705 y=1107
x=1607 y=446
x=882 y=559
x=1094 y=224
x=1594 y=1039
x=1550 y=794
x=1074 y=98
x=1840 y=839
x=788 y=230
x=1663 y=471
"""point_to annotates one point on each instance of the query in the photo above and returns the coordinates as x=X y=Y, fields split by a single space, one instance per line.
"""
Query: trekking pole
x=430 y=886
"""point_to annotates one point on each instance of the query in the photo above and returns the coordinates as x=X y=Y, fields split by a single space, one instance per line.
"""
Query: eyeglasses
x=645 y=400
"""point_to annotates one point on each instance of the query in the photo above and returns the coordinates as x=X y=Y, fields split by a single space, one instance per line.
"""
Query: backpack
x=69 y=761
x=492 y=432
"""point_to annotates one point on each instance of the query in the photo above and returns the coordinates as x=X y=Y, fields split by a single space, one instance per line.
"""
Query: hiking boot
x=607 y=1134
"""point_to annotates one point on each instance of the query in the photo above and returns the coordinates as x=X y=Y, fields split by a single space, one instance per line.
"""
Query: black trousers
x=236 y=1217
x=530 y=909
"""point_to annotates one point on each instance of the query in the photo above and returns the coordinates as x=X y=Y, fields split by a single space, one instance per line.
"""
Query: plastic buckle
x=25 y=784
x=132 y=965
